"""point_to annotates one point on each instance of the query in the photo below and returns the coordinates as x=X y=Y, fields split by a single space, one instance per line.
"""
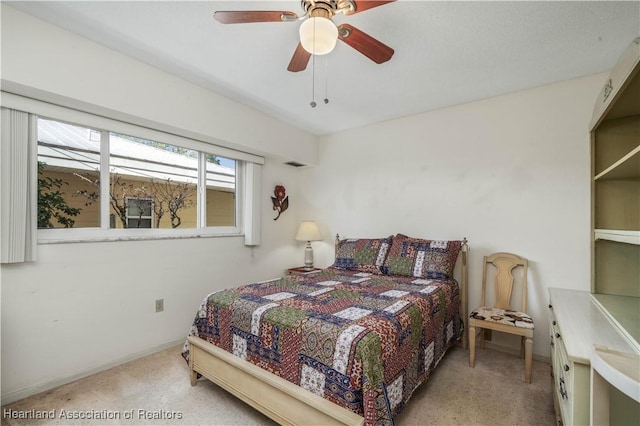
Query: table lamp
x=308 y=232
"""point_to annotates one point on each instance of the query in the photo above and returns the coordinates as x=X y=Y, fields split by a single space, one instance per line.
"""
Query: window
x=139 y=212
x=68 y=172
x=97 y=179
x=160 y=176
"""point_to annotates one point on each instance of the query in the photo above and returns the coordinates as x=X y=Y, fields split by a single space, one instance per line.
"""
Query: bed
x=345 y=345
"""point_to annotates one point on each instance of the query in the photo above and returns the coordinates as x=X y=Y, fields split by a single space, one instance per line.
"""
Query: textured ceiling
x=446 y=53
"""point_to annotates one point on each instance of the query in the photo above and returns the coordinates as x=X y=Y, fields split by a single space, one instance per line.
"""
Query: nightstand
x=301 y=270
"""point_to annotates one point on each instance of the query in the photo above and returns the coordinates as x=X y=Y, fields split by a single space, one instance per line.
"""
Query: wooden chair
x=500 y=316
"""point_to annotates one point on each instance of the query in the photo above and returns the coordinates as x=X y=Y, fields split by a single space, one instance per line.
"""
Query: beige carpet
x=156 y=390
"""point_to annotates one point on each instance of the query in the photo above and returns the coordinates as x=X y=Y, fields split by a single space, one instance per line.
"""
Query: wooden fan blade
x=249 y=16
x=373 y=49
x=363 y=5
x=299 y=60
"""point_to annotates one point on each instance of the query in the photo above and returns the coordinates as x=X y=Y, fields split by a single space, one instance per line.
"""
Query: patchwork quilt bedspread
x=362 y=341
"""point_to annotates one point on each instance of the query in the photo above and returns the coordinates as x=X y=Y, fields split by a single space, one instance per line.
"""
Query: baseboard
x=32 y=390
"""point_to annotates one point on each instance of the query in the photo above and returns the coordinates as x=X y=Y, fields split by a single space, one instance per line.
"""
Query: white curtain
x=253 y=194
x=18 y=187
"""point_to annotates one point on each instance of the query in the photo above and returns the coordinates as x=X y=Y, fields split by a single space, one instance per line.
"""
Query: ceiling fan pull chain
x=326 y=81
x=313 y=70
x=313 y=82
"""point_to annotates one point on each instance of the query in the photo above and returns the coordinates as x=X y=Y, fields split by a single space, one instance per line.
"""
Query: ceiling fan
x=318 y=33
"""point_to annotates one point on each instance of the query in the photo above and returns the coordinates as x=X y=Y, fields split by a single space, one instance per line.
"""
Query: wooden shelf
x=629 y=237
x=628 y=167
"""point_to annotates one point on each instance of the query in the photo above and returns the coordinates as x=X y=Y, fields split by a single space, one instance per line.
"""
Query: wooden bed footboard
x=275 y=397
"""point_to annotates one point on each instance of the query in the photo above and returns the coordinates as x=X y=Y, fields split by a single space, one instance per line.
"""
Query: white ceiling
x=446 y=53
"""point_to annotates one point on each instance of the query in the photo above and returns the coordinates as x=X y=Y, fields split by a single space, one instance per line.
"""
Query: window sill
x=95 y=235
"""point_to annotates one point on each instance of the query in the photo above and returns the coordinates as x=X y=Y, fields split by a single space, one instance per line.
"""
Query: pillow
x=364 y=255
x=420 y=258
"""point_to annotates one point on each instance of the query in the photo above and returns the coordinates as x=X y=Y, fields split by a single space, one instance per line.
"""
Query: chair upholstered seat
x=503 y=316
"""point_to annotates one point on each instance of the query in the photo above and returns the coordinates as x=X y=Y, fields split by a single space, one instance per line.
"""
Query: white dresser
x=577 y=323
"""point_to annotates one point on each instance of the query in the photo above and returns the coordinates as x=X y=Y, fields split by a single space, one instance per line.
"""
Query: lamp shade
x=318 y=35
x=308 y=231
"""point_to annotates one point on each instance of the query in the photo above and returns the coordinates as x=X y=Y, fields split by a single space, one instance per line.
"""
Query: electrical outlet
x=159 y=305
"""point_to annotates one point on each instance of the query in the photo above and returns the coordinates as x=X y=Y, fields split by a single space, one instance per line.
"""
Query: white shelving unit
x=615 y=287
x=608 y=317
x=615 y=150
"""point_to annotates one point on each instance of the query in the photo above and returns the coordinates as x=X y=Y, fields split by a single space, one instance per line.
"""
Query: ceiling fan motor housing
x=327 y=8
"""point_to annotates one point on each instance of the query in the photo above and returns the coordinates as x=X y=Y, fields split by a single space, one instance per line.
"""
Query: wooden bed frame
x=275 y=397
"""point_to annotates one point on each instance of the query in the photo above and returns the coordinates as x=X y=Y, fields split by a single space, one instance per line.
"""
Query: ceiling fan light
x=318 y=35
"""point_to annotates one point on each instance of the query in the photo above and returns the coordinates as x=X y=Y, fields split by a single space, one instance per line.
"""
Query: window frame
x=247 y=205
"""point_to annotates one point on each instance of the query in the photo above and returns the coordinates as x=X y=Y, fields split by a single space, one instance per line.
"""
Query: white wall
x=83 y=307
x=510 y=173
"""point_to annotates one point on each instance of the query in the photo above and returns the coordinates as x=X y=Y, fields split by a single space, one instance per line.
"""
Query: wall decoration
x=280 y=201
